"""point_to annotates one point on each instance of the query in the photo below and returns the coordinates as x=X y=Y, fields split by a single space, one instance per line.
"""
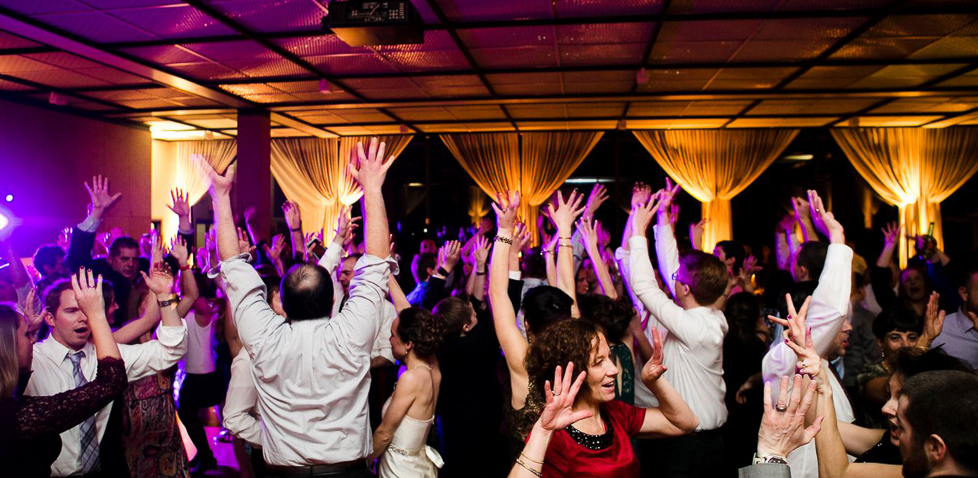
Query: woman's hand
x=506 y=206
x=654 y=368
x=567 y=211
x=933 y=322
x=558 y=412
x=88 y=293
x=798 y=338
x=783 y=427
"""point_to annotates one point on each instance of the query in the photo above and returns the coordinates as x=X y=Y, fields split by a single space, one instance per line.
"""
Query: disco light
x=10 y=198
x=4 y=221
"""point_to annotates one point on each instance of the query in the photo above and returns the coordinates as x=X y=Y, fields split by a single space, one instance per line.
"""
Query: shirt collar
x=57 y=351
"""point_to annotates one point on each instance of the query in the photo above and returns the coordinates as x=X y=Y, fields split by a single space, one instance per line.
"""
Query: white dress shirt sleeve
x=332 y=258
x=665 y=311
x=241 y=401
x=826 y=313
x=382 y=345
x=360 y=322
x=143 y=360
x=257 y=323
x=666 y=253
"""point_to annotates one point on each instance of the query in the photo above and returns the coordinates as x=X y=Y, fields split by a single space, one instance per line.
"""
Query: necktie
x=89 y=459
x=343 y=302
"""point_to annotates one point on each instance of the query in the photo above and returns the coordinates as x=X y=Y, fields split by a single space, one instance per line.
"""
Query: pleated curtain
x=180 y=172
x=714 y=166
x=498 y=163
x=478 y=206
x=313 y=173
x=914 y=169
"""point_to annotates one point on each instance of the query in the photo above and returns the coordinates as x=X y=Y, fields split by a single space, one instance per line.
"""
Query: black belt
x=317 y=470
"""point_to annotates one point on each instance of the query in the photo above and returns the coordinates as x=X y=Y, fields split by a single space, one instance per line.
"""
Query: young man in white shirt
x=693 y=341
x=67 y=358
x=312 y=373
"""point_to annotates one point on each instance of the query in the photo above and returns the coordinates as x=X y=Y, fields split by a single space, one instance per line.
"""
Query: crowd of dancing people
x=484 y=355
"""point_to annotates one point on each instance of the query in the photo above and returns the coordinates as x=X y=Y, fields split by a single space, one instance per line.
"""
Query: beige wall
x=45 y=156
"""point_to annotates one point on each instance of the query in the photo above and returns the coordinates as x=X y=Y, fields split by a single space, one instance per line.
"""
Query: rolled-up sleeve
x=143 y=360
x=362 y=316
x=242 y=398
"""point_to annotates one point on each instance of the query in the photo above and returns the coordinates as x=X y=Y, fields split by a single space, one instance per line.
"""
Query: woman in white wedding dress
x=399 y=441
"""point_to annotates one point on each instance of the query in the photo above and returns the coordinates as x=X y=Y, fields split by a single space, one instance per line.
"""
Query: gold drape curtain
x=313 y=173
x=173 y=158
x=497 y=163
x=714 y=166
x=478 y=206
x=914 y=169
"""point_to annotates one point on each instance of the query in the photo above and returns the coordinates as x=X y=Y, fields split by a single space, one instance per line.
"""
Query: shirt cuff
x=215 y=271
x=636 y=243
x=90 y=224
x=171 y=335
x=367 y=260
x=515 y=275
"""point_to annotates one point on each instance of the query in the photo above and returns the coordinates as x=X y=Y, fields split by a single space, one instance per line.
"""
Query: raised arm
x=83 y=237
x=88 y=293
x=188 y=283
x=503 y=315
x=294 y=221
x=590 y=236
x=371 y=174
x=804 y=217
x=476 y=287
x=564 y=216
x=666 y=249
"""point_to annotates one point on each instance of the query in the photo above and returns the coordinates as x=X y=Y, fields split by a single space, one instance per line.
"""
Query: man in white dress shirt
x=312 y=373
x=693 y=342
x=55 y=369
x=827 y=317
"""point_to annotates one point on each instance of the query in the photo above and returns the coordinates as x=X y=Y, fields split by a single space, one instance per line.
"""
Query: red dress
x=566 y=458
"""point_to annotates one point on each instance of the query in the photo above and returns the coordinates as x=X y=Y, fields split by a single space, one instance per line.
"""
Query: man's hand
x=589 y=234
x=696 y=234
x=566 y=212
x=99 y=197
x=783 y=428
x=824 y=220
x=448 y=255
x=292 y=217
x=88 y=293
x=220 y=185
x=506 y=207
x=480 y=253
x=642 y=215
x=178 y=249
x=244 y=245
x=368 y=167
x=278 y=245
x=933 y=321
x=641 y=193
x=159 y=282
x=181 y=205
x=667 y=213
x=891 y=234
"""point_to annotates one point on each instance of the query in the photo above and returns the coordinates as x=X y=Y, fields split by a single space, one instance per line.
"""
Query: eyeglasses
x=675 y=277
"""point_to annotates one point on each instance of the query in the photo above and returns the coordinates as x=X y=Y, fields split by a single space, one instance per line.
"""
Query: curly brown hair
x=563 y=342
x=421 y=329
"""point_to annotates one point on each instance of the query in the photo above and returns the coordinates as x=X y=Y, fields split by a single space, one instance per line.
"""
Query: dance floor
x=227 y=466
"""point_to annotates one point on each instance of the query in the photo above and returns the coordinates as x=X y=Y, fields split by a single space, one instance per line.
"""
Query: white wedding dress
x=407 y=456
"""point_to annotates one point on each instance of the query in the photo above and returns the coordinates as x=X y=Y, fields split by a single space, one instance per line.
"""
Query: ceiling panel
x=967 y=79
x=781 y=122
x=693 y=52
x=929 y=105
x=678 y=123
x=657 y=108
x=748 y=78
x=275 y=16
x=423 y=114
x=477 y=112
x=163 y=55
x=8 y=40
x=882 y=48
x=692 y=79
x=904 y=76
x=352 y=64
x=206 y=71
x=97 y=26
x=594 y=8
x=320 y=45
x=114 y=76
x=949 y=47
x=515 y=57
x=43 y=7
x=832 y=77
x=13 y=86
x=479 y=10
x=715 y=108
x=893 y=121
x=233 y=50
x=565 y=125
x=60 y=78
x=810 y=106
x=620 y=54
x=507 y=37
x=173 y=21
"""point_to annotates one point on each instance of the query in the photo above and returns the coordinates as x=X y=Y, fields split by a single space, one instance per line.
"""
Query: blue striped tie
x=89 y=459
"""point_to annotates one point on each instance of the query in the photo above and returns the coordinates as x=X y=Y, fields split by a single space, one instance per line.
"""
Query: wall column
x=253 y=177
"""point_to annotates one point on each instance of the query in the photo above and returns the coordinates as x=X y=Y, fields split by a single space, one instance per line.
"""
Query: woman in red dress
x=583 y=431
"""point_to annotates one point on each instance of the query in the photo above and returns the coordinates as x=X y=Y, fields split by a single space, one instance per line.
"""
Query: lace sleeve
x=38 y=416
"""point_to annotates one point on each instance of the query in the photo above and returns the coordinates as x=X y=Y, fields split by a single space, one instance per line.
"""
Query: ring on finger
x=781 y=408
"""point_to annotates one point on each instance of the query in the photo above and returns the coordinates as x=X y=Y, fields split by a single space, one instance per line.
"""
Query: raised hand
x=506 y=207
x=220 y=184
x=824 y=220
x=567 y=211
x=654 y=368
x=891 y=234
x=748 y=269
x=800 y=207
x=933 y=321
x=588 y=233
x=783 y=427
x=480 y=253
x=64 y=238
x=642 y=216
x=345 y=225
x=178 y=249
x=798 y=338
x=292 y=217
x=448 y=255
x=594 y=200
x=696 y=234
x=244 y=245
x=278 y=245
x=667 y=195
x=181 y=205
x=485 y=225
x=368 y=167
x=32 y=314
x=159 y=282
x=98 y=193
x=88 y=293
x=641 y=193
x=559 y=409
x=521 y=237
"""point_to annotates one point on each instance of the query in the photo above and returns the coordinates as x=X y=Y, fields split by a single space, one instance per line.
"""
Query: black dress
x=740 y=361
x=30 y=441
x=883 y=452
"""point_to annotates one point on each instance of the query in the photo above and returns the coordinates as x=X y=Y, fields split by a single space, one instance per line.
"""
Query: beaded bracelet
x=504 y=240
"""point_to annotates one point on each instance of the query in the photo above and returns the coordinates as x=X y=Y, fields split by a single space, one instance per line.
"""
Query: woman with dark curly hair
x=400 y=439
x=587 y=432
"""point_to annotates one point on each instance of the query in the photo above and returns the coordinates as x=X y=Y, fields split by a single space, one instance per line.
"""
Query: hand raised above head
x=824 y=220
x=98 y=193
x=506 y=207
x=181 y=205
x=369 y=167
x=88 y=293
x=220 y=184
x=566 y=212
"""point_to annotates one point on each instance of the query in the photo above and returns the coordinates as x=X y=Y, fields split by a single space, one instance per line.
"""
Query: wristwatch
x=772 y=459
x=168 y=302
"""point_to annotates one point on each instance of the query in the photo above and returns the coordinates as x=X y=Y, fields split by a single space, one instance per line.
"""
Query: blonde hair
x=9 y=366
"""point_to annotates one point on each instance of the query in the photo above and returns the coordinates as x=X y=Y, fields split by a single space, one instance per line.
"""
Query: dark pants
x=319 y=472
x=689 y=456
x=198 y=392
